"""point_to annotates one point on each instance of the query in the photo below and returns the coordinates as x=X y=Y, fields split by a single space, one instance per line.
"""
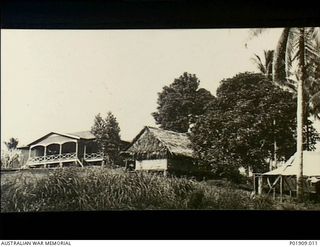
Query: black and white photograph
x=178 y=119
x=159 y=120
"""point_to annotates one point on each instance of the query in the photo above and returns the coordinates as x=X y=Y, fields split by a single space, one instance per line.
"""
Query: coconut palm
x=293 y=63
x=265 y=67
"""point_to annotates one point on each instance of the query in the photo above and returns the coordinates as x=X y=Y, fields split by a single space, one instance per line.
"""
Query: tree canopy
x=12 y=143
x=240 y=126
x=107 y=133
x=180 y=103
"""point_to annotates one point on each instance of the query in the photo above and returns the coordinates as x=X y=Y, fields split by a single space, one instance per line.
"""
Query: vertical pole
x=281 y=187
x=165 y=173
x=30 y=151
x=45 y=154
x=76 y=149
x=274 y=148
x=60 y=152
x=254 y=183
x=260 y=181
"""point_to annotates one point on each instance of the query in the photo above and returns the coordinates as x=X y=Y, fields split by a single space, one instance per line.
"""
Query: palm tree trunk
x=300 y=114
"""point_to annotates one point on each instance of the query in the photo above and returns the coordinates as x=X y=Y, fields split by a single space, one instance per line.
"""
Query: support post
x=281 y=188
x=45 y=154
x=254 y=183
x=60 y=152
x=77 y=149
x=30 y=151
x=260 y=181
x=165 y=173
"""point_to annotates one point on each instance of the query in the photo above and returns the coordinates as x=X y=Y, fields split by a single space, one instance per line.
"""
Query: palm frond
x=279 y=60
x=314 y=104
x=257 y=60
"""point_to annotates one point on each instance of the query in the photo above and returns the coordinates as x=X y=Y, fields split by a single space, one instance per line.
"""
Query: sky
x=58 y=80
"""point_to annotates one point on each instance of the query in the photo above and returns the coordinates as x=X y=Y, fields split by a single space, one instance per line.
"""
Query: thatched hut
x=161 y=150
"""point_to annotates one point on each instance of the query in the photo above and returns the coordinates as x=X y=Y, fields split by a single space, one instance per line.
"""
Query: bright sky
x=58 y=80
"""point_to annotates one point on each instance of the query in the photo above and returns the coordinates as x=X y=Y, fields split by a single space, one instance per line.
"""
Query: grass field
x=73 y=189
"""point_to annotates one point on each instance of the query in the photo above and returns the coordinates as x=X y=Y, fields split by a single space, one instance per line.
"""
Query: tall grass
x=73 y=189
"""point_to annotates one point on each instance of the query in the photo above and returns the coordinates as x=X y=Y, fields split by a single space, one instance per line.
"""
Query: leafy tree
x=107 y=133
x=10 y=157
x=180 y=103
x=238 y=128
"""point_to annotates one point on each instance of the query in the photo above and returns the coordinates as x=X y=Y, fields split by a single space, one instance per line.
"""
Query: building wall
x=152 y=165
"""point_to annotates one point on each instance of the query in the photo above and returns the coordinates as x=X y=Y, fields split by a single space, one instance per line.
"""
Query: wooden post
x=84 y=150
x=281 y=187
x=165 y=173
x=60 y=152
x=254 y=183
x=260 y=181
x=45 y=154
x=30 y=151
x=77 y=149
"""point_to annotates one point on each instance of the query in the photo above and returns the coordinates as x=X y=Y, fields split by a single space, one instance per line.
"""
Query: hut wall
x=152 y=164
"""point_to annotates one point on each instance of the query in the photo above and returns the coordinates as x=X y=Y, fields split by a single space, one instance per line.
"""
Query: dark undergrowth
x=73 y=189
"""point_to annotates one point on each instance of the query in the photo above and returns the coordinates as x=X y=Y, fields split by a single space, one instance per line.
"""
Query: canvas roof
x=311 y=165
x=176 y=143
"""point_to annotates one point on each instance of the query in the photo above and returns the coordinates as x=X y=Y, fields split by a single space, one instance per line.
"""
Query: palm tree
x=12 y=143
x=265 y=67
x=298 y=48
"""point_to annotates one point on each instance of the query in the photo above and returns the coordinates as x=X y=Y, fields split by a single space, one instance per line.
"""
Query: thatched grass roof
x=158 y=141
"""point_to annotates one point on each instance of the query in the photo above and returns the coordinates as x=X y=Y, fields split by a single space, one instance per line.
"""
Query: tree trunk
x=300 y=115
x=299 y=154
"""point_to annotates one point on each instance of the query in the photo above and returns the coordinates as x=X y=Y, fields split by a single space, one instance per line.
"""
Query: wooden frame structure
x=284 y=179
x=280 y=184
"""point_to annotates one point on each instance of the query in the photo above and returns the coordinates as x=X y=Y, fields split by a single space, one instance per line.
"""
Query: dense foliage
x=10 y=155
x=74 y=189
x=12 y=143
x=180 y=102
x=241 y=125
x=107 y=133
